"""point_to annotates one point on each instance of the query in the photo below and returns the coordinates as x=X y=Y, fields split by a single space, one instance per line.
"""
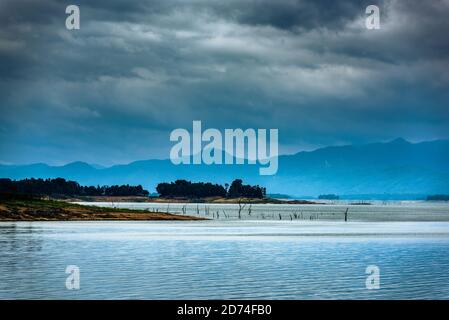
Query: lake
x=233 y=259
x=333 y=211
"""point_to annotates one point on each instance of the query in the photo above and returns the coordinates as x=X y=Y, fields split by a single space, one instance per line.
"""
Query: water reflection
x=20 y=236
x=220 y=260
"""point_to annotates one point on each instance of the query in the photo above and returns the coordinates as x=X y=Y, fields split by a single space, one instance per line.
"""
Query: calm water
x=224 y=259
x=377 y=211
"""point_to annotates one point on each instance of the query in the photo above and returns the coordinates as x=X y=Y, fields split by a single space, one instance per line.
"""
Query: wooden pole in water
x=346 y=214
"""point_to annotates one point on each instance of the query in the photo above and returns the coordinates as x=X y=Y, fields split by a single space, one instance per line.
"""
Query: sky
x=112 y=91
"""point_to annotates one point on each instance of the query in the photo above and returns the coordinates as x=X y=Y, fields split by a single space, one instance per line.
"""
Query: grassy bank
x=52 y=210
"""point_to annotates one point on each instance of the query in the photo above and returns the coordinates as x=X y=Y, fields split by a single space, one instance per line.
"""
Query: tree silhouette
x=60 y=186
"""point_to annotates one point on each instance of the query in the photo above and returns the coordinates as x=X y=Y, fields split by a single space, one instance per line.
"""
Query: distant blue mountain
x=396 y=167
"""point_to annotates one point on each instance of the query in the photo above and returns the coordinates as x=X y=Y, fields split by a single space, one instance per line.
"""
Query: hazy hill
x=397 y=167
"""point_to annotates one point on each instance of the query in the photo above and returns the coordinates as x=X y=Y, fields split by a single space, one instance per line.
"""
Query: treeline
x=187 y=189
x=184 y=188
x=60 y=186
x=240 y=190
x=179 y=188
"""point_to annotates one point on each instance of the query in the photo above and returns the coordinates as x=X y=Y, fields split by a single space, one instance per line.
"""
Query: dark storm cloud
x=137 y=69
x=292 y=15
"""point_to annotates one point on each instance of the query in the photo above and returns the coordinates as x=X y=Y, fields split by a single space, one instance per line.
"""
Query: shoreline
x=378 y=212
x=210 y=200
x=34 y=209
x=52 y=210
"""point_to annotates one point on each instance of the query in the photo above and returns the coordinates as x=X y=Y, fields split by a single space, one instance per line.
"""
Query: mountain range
x=395 y=167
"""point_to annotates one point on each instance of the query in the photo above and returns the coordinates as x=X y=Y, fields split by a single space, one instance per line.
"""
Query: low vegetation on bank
x=26 y=208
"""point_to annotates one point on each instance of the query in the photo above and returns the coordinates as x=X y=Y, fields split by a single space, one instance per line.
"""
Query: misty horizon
x=108 y=165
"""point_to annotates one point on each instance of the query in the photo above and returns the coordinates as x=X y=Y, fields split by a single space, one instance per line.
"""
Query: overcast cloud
x=112 y=91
